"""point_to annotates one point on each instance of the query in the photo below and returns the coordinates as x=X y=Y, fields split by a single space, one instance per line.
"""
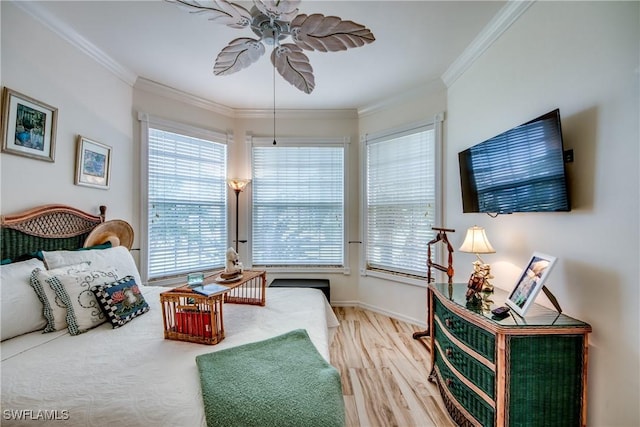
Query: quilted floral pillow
x=122 y=300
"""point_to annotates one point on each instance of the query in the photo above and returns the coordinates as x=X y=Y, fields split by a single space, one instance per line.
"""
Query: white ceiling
x=416 y=42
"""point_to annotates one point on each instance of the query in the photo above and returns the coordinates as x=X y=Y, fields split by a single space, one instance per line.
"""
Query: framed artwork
x=93 y=163
x=28 y=126
x=530 y=282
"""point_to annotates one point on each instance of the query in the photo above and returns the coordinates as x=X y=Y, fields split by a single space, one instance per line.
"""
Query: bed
x=129 y=375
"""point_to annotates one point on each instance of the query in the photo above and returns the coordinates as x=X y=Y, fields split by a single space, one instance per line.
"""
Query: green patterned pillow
x=122 y=301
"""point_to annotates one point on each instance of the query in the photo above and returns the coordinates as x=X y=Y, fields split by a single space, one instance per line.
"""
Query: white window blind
x=401 y=200
x=187 y=203
x=298 y=205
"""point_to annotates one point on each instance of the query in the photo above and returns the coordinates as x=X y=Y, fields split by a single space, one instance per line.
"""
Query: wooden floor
x=384 y=372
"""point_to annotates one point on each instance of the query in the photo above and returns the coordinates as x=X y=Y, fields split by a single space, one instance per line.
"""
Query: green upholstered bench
x=322 y=284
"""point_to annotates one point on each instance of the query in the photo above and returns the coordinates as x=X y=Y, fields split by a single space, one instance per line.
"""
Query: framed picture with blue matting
x=93 y=163
x=28 y=126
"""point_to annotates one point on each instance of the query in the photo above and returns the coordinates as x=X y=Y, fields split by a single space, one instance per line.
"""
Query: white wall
x=91 y=102
x=581 y=57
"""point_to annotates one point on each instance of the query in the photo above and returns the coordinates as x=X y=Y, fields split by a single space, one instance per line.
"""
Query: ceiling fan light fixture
x=269 y=30
x=273 y=21
x=279 y=10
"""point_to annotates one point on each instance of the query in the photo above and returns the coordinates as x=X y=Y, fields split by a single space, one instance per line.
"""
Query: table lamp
x=476 y=242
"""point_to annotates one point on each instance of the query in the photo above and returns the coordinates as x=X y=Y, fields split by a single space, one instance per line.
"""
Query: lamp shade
x=238 y=184
x=476 y=242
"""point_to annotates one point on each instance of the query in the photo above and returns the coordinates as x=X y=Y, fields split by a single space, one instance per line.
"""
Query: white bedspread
x=132 y=376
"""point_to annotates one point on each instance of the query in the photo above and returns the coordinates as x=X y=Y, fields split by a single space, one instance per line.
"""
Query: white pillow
x=119 y=258
x=55 y=311
x=20 y=308
x=74 y=290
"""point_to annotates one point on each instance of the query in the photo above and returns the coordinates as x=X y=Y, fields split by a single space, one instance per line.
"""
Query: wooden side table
x=250 y=289
x=190 y=316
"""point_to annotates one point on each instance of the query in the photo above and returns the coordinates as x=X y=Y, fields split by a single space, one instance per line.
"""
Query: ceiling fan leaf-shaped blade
x=237 y=55
x=294 y=66
x=281 y=10
x=222 y=11
x=328 y=33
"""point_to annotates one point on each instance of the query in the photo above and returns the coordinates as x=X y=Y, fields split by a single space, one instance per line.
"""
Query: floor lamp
x=237 y=185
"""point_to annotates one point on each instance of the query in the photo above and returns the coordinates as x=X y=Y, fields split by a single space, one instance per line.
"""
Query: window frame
x=343 y=142
x=437 y=123
x=148 y=121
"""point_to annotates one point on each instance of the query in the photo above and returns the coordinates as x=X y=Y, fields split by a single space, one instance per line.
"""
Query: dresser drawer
x=474 y=404
x=479 y=340
x=479 y=374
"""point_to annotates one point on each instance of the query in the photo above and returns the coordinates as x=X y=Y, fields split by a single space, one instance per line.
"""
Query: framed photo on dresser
x=530 y=282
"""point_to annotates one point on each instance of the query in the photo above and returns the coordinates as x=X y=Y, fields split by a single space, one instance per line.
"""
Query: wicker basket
x=189 y=316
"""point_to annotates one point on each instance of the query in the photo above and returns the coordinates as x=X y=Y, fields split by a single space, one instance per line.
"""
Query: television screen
x=520 y=170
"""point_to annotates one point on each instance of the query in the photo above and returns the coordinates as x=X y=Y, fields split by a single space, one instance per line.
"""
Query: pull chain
x=274 y=97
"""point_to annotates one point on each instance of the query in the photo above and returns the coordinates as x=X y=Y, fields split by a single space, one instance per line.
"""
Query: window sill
x=303 y=269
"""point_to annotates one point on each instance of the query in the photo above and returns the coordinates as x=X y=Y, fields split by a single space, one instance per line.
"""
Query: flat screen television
x=520 y=170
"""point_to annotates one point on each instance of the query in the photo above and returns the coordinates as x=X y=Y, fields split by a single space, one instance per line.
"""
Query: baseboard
x=394 y=315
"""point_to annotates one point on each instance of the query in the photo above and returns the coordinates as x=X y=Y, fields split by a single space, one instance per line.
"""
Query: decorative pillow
x=21 y=311
x=74 y=290
x=121 y=300
x=119 y=258
x=54 y=310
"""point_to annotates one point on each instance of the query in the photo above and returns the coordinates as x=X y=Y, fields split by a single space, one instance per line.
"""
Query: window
x=186 y=207
x=298 y=204
x=402 y=199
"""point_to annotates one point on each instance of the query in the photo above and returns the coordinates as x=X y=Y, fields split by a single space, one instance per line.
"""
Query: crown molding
x=240 y=113
x=494 y=29
x=283 y=113
x=187 y=98
x=71 y=36
x=406 y=96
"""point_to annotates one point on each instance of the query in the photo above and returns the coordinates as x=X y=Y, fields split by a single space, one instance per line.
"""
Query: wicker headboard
x=48 y=227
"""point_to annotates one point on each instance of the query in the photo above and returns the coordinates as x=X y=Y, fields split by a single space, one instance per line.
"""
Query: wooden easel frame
x=441 y=236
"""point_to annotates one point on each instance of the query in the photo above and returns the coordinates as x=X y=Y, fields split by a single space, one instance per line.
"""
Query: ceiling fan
x=273 y=21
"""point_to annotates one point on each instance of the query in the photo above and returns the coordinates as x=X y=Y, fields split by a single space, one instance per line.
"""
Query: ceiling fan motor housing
x=271 y=31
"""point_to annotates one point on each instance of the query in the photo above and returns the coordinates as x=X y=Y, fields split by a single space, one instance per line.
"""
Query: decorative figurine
x=483 y=272
x=479 y=282
x=233 y=265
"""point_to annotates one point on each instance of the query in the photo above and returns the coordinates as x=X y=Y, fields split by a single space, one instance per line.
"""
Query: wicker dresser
x=510 y=372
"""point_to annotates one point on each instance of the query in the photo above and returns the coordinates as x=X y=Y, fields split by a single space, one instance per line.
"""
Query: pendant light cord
x=274 y=97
